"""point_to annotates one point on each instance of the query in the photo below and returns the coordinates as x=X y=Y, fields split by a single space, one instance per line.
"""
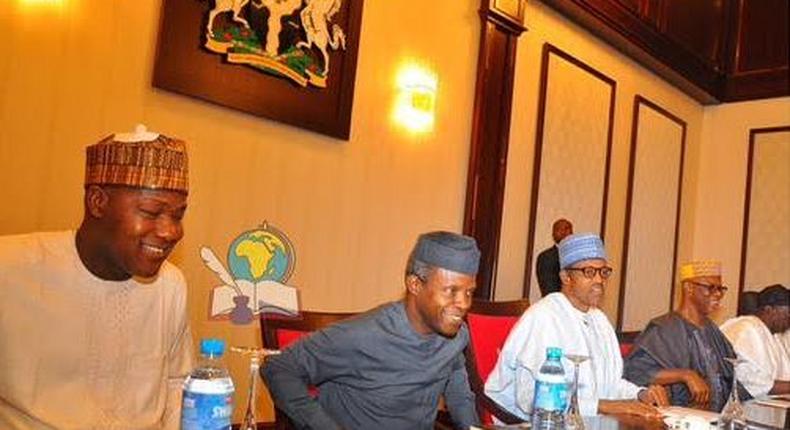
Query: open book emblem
x=259 y=262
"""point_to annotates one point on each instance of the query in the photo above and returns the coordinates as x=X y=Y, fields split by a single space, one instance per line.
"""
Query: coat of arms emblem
x=286 y=38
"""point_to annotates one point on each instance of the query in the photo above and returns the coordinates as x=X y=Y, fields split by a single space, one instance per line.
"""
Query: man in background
x=93 y=323
x=766 y=366
x=747 y=304
x=572 y=321
x=684 y=349
x=387 y=369
x=547 y=266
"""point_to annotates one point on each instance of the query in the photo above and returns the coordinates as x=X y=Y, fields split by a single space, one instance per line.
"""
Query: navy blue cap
x=451 y=251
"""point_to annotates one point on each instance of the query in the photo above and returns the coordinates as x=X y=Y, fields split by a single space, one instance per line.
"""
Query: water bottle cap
x=553 y=353
x=212 y=347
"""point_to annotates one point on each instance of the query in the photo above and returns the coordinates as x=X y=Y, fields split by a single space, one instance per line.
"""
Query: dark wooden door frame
x=485 y=188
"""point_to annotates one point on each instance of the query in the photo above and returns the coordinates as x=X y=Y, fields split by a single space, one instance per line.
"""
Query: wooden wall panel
x=655 y=175
x=485 y=187
x=571 y=173
x=766 y=233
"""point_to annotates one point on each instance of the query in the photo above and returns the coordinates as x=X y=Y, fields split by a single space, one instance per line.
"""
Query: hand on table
x=628 y=407
x=654 y=395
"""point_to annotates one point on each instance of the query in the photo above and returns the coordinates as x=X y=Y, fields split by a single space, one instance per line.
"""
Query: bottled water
x=208 y=391
x=551 y=392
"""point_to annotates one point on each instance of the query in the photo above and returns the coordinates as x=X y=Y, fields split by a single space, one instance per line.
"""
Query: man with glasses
x=684 y=349
x=570 y=319
x=766 y=366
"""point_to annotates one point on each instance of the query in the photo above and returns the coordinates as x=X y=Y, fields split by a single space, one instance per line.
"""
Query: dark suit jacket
x=548 y=271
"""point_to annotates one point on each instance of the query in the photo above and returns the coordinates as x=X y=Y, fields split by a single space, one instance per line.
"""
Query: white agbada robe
x=554 y=322
x=78 y=352
x=765 y=358
x=784 y=341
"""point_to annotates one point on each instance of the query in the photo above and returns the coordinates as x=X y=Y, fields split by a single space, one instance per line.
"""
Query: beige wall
x=353 y=208
x=721 y=181
x=545 y=25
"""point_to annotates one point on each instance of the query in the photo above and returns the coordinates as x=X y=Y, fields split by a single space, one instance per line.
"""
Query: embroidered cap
x=141 y=159
x=579 y=247
x=700 y=268
x=451 y=251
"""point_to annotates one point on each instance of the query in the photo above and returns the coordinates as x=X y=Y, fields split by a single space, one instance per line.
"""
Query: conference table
x=760 y=417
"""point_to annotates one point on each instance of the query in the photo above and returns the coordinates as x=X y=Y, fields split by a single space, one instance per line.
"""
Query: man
x=93 y=324
x=747 y=305
x=571 y=320
x=766 y=369
x=684 y=349
x=547 y=266
x=387 y=368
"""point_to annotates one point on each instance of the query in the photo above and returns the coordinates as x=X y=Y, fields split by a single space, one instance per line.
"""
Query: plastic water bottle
x=207 y=403
x=551 y=392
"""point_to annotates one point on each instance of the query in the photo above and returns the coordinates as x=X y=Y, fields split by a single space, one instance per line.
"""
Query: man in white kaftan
x=93 y=324
x=783 y=339
x=81 y=352
x=766 y=369
x=570 y=320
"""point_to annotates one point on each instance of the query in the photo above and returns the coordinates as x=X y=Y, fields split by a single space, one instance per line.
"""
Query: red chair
x=626 y=340
x=489 y=325
x=279 y=332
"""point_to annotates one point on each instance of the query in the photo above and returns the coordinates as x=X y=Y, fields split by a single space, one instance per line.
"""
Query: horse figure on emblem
x=316 y=16
x=221 y=6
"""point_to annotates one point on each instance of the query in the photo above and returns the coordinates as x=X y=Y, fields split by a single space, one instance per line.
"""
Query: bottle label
x=201 y=411
x=551 y=396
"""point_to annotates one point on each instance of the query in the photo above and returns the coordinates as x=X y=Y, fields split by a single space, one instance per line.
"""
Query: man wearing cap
x=766 y=366
x=547 y=267
x=570 y=320
x=684 y=349
x=386 y=369
x=93 y=324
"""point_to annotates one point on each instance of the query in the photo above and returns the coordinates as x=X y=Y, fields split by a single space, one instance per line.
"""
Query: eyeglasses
x=710 y=288
x=589 y=272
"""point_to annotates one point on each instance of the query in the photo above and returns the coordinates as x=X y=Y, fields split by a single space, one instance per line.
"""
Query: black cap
x=774 y=295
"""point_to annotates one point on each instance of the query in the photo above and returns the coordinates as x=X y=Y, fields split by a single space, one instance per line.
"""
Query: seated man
x=93 y=325
x=766 y=369
x=570 y=320
x=387 y=369
x=684 y=349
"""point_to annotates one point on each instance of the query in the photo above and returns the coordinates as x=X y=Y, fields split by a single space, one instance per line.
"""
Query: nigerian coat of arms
x=286 y=38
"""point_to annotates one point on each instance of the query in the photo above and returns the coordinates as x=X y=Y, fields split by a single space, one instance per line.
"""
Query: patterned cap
x=141 y=159
x=451 y=251
x=579 y=247
x=700 y=268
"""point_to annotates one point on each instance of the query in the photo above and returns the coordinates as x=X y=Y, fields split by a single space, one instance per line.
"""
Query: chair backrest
x=626 y=340
x=278 y=332
x=489 y=325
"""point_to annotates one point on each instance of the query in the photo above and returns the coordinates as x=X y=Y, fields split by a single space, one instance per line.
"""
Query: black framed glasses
x=589 y=272
x=711 y=288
